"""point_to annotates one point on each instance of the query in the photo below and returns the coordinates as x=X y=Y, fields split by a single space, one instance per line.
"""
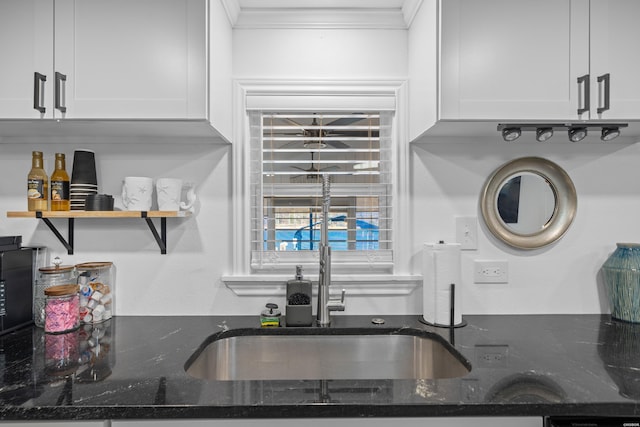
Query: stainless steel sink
x=326 y=353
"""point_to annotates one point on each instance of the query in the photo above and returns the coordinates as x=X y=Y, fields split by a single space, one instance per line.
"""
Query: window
x=289 y=153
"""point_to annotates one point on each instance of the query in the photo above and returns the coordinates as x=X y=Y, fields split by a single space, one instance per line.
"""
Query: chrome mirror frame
x=563 y=213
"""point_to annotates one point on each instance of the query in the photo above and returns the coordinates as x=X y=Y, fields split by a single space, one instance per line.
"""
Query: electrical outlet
x=467 y=232
x=492 y=356
x=490 y=272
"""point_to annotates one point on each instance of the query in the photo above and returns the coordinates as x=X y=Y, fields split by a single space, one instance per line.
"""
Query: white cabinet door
x=615 y=35
x=141 y=59
x=26 y=47
x=512 y=59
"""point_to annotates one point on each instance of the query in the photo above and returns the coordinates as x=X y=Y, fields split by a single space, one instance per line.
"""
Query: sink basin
x=325 y=353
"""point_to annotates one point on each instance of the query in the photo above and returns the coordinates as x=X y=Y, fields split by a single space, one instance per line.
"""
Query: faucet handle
x=336 y=305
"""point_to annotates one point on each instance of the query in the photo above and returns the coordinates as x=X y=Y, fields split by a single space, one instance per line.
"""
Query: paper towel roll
x=440 y=269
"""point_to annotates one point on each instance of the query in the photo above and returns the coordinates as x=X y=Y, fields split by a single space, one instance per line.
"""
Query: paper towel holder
x=452 y=311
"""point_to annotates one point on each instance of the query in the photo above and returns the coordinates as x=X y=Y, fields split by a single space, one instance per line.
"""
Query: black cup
x=99 y=202
x=84 y=168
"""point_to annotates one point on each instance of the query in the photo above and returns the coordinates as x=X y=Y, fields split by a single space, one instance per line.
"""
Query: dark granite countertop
x=134 y=367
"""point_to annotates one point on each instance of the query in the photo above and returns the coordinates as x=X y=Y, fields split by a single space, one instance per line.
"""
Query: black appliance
x=592 y=421
x=16 y=287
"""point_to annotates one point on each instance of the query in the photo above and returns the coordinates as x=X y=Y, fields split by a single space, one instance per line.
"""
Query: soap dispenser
x=298 y=309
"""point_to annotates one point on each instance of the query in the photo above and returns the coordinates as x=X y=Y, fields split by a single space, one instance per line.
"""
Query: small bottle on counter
x=37 y=184
x=62 y=309
x=59 y=185
x=270 y=316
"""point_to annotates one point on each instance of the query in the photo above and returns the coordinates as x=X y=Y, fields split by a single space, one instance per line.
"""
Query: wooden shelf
x=98 y=214
x=70 y=216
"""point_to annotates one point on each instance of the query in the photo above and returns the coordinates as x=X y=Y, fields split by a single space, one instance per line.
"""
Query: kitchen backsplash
x=446 y=180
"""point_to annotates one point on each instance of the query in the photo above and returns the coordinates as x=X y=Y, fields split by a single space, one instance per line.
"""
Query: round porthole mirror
x=529 y=202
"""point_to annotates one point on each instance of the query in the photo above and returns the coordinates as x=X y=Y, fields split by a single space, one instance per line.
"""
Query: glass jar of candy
x=47 y=277
x=97 y=291
x=62 y=308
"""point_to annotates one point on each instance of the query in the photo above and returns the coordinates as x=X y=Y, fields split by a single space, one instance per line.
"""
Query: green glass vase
x=621 y=274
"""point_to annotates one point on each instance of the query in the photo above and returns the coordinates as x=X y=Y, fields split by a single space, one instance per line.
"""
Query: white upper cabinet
x=220 y=73
x=117 y=59
x=536 y=60
x=615 y=35
x=513 y=59
x=26 y=47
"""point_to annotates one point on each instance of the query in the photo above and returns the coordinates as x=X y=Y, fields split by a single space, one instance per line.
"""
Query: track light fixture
x=609 y=134
x=543 y=134
x=511 y=134
x=576 y=131
x=577 y=134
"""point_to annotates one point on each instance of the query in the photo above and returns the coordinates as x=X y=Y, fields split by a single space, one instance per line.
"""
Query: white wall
x=320 y=53
x=561 y=278
x=446 y=179
x=186 y=280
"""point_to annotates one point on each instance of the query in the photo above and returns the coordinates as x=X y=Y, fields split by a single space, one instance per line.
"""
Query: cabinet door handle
x=584 y=80
x=57 y=104
x=607 y=86
x=38 y=82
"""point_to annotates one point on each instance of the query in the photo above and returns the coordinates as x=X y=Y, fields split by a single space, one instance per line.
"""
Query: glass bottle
x=59 y=185
x=37 y=184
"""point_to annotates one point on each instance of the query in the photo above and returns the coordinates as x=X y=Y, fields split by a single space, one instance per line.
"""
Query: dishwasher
x=595 y=421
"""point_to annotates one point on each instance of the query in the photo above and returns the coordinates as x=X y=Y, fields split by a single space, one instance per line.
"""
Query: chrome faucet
x=325 y=304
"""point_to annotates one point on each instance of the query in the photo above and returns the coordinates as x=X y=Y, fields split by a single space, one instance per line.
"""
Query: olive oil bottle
x=37 y=184
x=59 y=185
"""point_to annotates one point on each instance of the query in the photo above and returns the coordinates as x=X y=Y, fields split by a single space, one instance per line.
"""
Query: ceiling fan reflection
x=313 y=172
x=318 y=138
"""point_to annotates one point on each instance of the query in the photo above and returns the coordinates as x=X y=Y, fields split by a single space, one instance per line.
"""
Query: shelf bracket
x=160 y=238
x=68 y=243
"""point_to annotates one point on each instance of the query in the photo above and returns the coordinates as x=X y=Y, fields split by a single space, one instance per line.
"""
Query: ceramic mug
x=137 y=193
x=169 y=194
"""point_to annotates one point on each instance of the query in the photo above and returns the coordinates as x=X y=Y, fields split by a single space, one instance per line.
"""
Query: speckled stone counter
x=134 y=367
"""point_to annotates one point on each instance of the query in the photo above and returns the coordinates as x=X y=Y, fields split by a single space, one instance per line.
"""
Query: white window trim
x=241 y=280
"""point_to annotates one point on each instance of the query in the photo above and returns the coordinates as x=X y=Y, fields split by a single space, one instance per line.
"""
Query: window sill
x=354 y=284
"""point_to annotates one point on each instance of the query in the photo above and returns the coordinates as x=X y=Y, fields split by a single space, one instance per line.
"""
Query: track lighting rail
x=575 y=131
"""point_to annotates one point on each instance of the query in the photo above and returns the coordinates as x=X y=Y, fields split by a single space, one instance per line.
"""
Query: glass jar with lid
x=97 y=291
x=49 y=276
x=61 y=309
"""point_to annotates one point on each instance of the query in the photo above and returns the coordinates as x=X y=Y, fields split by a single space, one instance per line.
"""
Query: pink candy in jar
x=62 y=309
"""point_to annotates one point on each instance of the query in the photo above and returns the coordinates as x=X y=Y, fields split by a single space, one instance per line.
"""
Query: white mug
x=137 y=192
x=169 y=193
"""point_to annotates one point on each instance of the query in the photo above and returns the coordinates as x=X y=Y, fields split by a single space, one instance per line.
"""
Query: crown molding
x=273 y=16
x=232 y=8
x=409 y=11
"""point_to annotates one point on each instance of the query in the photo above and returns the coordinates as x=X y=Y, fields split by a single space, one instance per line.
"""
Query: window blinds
x=290 y=153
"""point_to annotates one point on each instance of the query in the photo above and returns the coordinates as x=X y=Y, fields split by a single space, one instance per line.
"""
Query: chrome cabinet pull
x=606 y=79
x=57 y=104
x=584 y=80
x=38 y=82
